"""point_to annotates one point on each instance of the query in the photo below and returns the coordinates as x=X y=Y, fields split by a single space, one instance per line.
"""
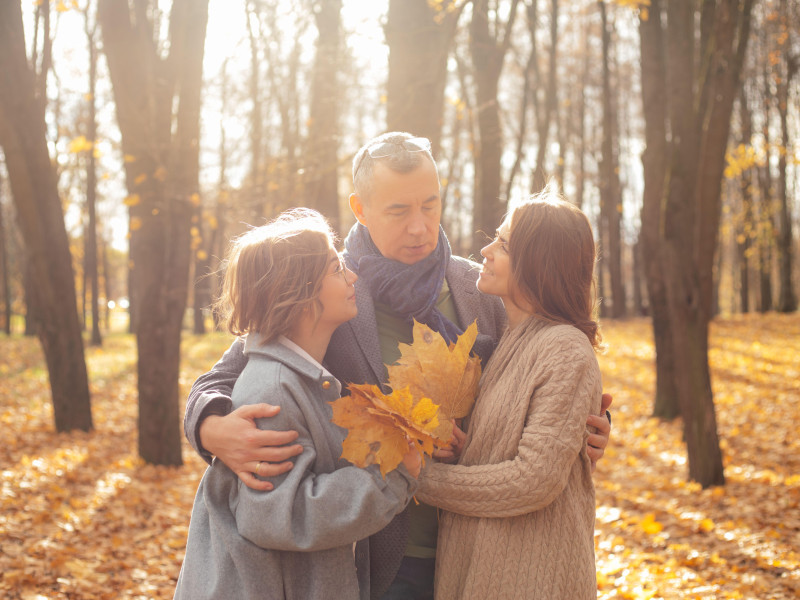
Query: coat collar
x=365 y=331
x=282 y=354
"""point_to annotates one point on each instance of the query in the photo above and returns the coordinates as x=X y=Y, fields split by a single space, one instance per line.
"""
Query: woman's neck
x=515 y=314
x=311 y=338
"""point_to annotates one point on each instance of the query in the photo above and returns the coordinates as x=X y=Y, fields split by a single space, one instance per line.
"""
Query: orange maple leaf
x=445 y=373
x=380 y=426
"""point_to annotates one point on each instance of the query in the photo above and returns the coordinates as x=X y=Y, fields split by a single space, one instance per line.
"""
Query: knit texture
x=519 y=506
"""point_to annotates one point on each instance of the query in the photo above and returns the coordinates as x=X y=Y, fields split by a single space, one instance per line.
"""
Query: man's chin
x=414 y=254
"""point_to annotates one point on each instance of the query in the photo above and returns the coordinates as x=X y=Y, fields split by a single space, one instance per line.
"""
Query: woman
x=287 y=290
x=519 y=505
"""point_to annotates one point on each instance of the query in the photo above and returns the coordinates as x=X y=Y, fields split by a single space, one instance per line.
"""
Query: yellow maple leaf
x=445 y=373
x=380 y=426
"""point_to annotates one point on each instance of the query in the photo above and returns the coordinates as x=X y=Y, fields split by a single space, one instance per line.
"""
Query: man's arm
x=213 y=430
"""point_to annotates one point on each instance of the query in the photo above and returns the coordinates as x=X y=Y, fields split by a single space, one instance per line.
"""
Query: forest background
x=138 y=137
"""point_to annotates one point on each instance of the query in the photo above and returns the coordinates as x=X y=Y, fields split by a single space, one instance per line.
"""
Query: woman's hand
x=247 y=450
x=452 y=453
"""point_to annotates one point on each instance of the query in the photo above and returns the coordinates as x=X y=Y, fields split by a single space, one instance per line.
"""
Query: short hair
x=274 y=273
x=552 y=254
x=401 y=162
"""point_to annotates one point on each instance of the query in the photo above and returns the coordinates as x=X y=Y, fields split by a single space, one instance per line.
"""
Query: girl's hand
x=412 y=460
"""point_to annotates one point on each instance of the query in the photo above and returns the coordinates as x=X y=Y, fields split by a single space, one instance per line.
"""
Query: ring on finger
x=258 y=466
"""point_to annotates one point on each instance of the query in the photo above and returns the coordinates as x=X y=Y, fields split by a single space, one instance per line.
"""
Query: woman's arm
x=308 y=511
x=552 y=439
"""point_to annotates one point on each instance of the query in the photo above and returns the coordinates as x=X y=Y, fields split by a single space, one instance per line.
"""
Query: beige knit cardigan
x=518 y=519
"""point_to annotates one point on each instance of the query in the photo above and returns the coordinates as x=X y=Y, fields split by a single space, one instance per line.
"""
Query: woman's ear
x=358 y=208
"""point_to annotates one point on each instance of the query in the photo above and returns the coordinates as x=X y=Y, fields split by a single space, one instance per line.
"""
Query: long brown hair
x=274 y=273
x=552 y=253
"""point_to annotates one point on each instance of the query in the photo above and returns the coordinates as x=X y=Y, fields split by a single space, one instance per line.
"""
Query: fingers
x=257 y=411
x=597 y=441
x=256 y=484
x=266 y=469
x=459 y=437
x=256 y=438
x=595 y=454
x=445 y=455
x=277 y=454
x=605 y=402
x=600 y=423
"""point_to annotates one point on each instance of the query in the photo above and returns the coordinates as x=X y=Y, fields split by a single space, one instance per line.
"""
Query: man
x=405 y=269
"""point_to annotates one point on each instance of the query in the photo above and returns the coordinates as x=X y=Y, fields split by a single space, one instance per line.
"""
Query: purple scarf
x=409 y=290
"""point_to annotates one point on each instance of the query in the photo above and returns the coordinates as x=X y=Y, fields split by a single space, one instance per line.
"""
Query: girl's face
x=338 y=296
x=495 y=276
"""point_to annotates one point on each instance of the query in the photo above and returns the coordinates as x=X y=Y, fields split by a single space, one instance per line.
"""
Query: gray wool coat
x=297 y=541
x=354 y=356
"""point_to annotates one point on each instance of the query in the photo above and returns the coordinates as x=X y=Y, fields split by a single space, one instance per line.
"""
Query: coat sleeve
x=552 y=440
x=211 y=394
x=309 y=511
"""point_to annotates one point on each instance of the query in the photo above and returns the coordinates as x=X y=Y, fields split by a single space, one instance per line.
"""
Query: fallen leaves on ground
x=82 y=518
x=381 y=426
x=659 y=536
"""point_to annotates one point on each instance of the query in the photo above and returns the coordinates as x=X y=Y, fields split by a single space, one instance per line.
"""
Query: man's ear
x=358 y=208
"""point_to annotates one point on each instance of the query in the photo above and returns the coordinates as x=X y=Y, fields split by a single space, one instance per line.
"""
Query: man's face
x=402 y=212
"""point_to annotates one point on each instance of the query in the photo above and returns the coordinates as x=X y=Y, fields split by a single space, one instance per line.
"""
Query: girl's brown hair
x=552 y=254
x=274 y=273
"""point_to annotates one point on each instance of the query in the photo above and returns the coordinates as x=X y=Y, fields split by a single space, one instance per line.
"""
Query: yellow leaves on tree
x=445 y=373
x=433 y=382
x=380 y=426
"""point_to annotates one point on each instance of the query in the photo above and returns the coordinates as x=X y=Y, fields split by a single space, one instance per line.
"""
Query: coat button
x=326 y=385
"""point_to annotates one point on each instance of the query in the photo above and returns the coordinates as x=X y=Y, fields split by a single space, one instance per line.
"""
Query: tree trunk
x=700 y=98
x=164 y=178
x=488 y=51
x=90 y=235
x=322 y=147
x=744 y=238
x=39 y=215
x=419 y=36
x=787 y=298
x=544 y=116
x=4 y=266
x=103 y=251
x=765 y=236
x=256 y=184
x=610 y=193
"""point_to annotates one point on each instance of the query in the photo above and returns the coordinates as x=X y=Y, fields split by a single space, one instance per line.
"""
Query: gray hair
x=403 y=161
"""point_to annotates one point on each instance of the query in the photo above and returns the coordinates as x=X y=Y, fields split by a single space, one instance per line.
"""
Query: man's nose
x=416 y=224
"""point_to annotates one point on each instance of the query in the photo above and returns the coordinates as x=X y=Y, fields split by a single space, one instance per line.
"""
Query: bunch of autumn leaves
x=432 y=383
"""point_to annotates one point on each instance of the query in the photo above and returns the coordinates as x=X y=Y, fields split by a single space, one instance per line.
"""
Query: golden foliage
x=380 y=426
x=82 y=517
x=445 y=373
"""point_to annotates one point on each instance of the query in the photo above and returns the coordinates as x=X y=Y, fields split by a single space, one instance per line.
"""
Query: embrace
x=507 y=511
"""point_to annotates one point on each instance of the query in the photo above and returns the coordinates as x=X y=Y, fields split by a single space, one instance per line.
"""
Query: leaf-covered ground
x=81 y=517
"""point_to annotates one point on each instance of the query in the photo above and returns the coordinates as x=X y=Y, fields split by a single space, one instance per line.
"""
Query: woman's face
x=495 y=276
x=337 y=295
